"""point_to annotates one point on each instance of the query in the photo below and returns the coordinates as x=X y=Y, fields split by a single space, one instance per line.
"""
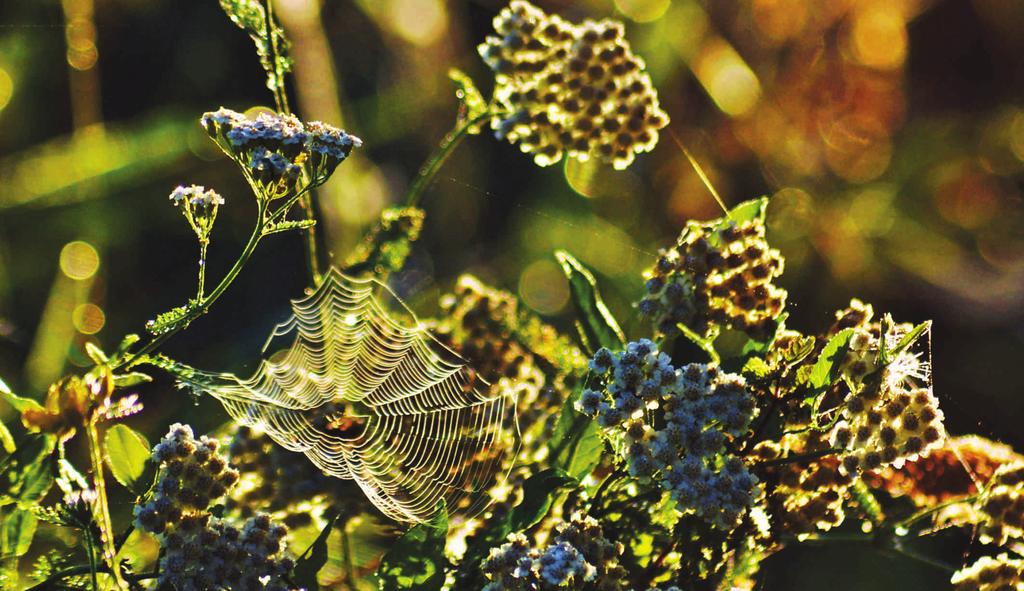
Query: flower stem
x=103 y=510
x=796 y=458
x=438 y=158
x=202 y=269
x=926 y=512
x=207 y=301
x=280 y=94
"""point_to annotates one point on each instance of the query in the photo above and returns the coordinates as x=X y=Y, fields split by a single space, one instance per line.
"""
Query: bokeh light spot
x=79 y=260
x=6 y=88
x=727 y=78
x=880 y=38
x=543 y=287
x=88 y=318
x=643 y=11
x=420 y=22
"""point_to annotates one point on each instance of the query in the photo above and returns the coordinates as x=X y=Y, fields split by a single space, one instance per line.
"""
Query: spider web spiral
x=369 y=398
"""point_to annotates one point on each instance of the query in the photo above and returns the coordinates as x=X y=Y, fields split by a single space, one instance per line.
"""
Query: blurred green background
x=889 y=133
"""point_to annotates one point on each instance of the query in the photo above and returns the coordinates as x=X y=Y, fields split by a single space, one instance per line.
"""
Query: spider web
x=368 y=398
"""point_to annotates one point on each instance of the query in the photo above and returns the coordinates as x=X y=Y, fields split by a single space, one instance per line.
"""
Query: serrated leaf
x=127 y=455
x=575 y=445
x=539 y=492
x=598 y=328
x=28 y=473
x=314 y=559
x=250 y=16
x=288 y=225
x=17 y=528
x=473 y=103
x=417 y=560
x=825 y=371
x=172 y=319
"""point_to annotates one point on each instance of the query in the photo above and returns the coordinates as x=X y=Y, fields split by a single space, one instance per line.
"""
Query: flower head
x=570 y=88
x=199 y=205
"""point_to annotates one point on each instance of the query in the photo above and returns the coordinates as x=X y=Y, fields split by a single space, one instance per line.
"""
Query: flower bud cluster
x=514 y=352
x=579 y=557
x=273 y=148
x=199 y=205
x=675 y=425
x=202 y=552
x=809 y=498
x=716 y=275
x=1001 y=573
x=575 y=89
x=1002 y=505
x=885 y=427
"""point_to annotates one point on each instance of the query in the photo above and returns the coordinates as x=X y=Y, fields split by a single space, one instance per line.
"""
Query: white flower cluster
x=570 y=88
x=716 y=275
x=579 y=557
x=199 y=205
x=202 y=552
x=1002 y=505
x=1001 y=573
x=273 y=148
x=676 y=423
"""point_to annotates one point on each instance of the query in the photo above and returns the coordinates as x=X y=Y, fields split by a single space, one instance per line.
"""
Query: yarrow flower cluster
x=570 y=88
x=807 y=498
x=1001 y=573
x=676 y=424
x=199 y=205
x=202 y=552
x=1002 y=505
x=717 y=274
x=579 y=557
x=275 y=148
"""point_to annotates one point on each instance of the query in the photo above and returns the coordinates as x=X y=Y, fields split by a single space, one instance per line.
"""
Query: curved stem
x=103 y=518
x=206 y=302
x=438 y=158
x=923 y=513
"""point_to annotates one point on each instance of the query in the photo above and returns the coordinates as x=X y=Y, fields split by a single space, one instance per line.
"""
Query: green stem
x=346 y=552
x=706 y=344
x=438 y=158
x=906 y=523
x=924 y=558
x=92 y=560
x=103 y=518
x=206 y=302
x=280 y=94
x=202 y=269
x=793 y=459
x=81 y=569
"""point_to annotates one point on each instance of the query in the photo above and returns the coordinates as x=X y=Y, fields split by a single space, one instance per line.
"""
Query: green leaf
x=250 y=16
x=19 y=403
x=748 y=211
x=125 y=345
x=95 y=353
x=288 y=225
x=28 y=473
x=757 y=368
x=172 y=319
x=416 y=560
x=909 y=339
x=127 y=455
x=314 y=559
x=17 y=528
x=598 y=327
x=473 y=103
x=825 y=371
x=134 y=378
x=6 y=439
x=575 y=445
x=539 y=492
